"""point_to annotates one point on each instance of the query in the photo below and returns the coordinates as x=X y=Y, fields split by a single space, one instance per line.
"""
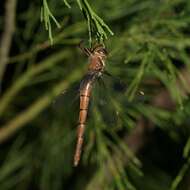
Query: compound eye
x=103 y=51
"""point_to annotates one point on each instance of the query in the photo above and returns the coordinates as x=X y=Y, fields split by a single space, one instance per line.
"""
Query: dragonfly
x=96 y=67
x=90 y=90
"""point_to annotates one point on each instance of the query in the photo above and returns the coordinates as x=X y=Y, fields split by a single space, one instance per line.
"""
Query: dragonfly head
x=100 y=51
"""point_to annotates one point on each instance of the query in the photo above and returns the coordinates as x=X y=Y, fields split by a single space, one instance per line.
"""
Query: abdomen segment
x=84 y=103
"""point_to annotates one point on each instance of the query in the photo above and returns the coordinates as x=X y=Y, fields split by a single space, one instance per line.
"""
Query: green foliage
x=93 y=20
x=46 y=15
x=149 y=60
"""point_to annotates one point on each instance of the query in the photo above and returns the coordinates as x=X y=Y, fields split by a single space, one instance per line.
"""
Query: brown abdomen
x=84 y=102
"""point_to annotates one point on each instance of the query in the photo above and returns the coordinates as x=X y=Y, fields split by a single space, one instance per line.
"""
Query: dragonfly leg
x=84 y=50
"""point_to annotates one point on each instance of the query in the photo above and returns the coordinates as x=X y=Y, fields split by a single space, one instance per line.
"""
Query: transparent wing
x=109 y=117
x=117 y=112
x=66 y=105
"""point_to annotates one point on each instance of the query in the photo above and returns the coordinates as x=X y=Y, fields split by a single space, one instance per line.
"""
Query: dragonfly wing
x=67 y=100
x=107 y=94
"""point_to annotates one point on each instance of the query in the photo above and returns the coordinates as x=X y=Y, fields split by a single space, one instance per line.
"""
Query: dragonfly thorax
x=97 y=59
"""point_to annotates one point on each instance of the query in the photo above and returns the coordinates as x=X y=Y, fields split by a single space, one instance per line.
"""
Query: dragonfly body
x=96 y=67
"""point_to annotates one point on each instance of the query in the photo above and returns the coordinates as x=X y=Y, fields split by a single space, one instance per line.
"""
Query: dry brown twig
x=6 y=38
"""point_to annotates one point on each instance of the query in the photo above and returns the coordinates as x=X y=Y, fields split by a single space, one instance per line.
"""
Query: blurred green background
x=137 y=133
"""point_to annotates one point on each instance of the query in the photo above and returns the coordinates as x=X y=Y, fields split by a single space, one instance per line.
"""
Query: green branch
x=46 y=17
x=100 y=27
x=93 y=20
